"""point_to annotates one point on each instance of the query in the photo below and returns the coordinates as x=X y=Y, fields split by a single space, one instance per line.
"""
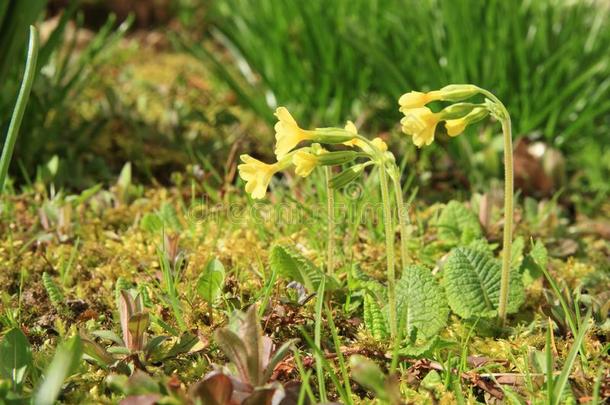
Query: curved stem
x=402 y=215
x=508 y=204
x=389 y=242
x=330 y=200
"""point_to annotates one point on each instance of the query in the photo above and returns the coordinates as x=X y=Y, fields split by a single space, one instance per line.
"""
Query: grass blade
x=22 y=101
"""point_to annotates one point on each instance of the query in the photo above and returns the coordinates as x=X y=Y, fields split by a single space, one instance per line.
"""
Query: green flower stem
x=380 y=160
x=22 y=101
x=508 y=203
x=389 y=242
x=508 y=217
x=330 y=200
x=402 y=215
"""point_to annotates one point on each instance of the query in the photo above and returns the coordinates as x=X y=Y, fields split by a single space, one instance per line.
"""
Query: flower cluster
x=420 y=121
x=289 y=152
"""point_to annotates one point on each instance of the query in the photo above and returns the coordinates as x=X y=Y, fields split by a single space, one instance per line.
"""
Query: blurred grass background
x=107 y=99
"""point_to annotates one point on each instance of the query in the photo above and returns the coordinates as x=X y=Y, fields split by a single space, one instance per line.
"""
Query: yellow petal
x=351 y=127
x=287 y=133
x=304 y=163
x=417 y=99
x=380 y=144
x=283 y=115
x=455 y=127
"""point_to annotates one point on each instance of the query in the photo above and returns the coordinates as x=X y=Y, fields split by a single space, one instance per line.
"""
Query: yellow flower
x=304 y=162
x=351 y=127
x=257 y=175
x=378 y=142
x=421 y=124
x=457 y=126
x=417 y=99
x=288 y=134
x=453 y=92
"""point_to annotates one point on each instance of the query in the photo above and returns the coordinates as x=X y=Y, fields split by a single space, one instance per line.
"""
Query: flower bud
x=458 y=92
x=458 y=110
x=455 y=127
x=332 y=135
x=336 y=158
x=347 y=176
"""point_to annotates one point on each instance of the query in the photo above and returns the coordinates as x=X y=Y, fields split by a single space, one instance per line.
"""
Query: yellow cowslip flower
x=378 y=142
x=457 y=126
x=257 y=175
x=304 y=162
x=351 y=127
x=417 y=99
x=288 y=134
x=452 y=92
x=421 y=124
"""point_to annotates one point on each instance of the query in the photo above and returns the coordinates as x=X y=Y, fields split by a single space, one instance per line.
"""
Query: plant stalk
x=508 y=218
x=389 y=242
x=508 y=204
x=330 y=200
x=402 y=216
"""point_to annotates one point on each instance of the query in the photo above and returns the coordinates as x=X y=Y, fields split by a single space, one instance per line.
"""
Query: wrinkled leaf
x=375 y=321
x=421 y=302
x=458 y=224
x=472 y=284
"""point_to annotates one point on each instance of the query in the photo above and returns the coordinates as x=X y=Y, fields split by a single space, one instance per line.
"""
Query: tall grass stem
x=22 y=101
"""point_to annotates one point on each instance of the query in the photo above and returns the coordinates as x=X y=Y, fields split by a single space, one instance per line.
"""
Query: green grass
x=333 y=61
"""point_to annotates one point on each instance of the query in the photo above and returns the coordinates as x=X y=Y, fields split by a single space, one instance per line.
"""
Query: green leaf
x=535 y=263
x=151 y=223
x=472 y=283
x=233 y=347
x=368 y=374
x=64 y=362
x=427 y=348
x=211 y=281
x=539 y=254
x=214 y=390
x=374 y=318
x=421 y=302
x=137 y=325
x=516 y=253
x=15 y=357
x=458 y=224
x=289 y=263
